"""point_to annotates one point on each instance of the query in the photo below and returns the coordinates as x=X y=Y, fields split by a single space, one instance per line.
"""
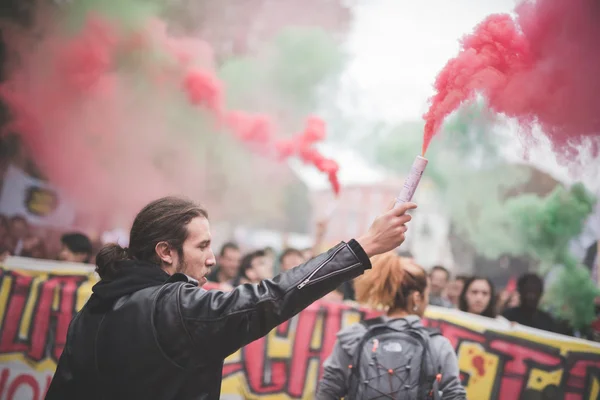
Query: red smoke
x=104 y=133
x=257 y=130
x=540 y=68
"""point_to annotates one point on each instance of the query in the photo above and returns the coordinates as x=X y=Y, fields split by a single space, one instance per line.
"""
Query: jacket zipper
x=307 y=279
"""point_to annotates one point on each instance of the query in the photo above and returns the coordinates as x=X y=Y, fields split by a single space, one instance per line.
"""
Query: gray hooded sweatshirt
x=336 y=373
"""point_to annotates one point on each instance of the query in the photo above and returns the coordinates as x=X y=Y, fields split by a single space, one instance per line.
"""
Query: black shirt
x=539 y=320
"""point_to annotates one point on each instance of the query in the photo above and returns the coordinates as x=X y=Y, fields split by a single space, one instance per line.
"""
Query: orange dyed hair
x=390 y=281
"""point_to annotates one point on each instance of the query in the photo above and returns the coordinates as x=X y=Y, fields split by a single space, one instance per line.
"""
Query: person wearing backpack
x=394 y=356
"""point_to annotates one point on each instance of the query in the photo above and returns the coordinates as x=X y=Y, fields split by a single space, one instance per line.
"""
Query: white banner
x=39 y=202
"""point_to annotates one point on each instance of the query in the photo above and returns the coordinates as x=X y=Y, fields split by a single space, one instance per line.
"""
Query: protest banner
x=497 y=361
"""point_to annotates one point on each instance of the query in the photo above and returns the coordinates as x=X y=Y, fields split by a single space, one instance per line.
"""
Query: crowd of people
x=364 y=273
x=473 y=294
x=19 y=238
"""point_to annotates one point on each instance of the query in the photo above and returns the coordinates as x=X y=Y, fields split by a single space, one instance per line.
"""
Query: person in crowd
x=439 y=277
x=290 y=258
x=455 y=287
x=18 y=230
x=531 y=288
x=402 y=288
x=506 y=300
x=478 y=297
x=254 y=268
x=75 y=247
x=150 y=331
x=34 y=247
x=228 y=265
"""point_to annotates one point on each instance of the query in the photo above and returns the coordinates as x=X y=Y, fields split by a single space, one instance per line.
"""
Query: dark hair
x=440 y=268
x=390 y=282
x=78 y=243
x=290 y=251
x=228 y=246
x=163 y=220
x=490 y=310
x=246 y=262
x=38 y=250
x=461 y=278
x=529 y=278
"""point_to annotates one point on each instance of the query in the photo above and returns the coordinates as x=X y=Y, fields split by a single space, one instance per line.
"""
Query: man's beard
x=181 y=266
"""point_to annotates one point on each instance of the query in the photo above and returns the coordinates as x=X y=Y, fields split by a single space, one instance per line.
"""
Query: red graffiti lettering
x=302 y=352
x=332 y=325
x=3 y=379
x=264 y=375
x=48 y=382
x=24 y=380
x=479 y=364
x=232 y=368
x=44 y=315
x=39 y=343
x=456 y=334
x=519 y=358
x=9 y=340
x=581 y=366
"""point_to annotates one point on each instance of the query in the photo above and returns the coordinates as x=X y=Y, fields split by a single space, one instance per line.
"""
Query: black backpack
x=394 y=363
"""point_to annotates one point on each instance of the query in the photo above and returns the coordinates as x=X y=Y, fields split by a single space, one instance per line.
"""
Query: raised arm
x=217 y=324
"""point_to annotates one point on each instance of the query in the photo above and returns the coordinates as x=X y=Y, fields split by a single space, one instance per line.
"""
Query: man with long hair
x=149 y=331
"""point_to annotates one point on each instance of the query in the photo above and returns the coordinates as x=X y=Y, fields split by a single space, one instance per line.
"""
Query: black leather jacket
x=168 y=340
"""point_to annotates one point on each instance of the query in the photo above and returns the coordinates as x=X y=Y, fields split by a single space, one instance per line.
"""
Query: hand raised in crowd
x=387 y=231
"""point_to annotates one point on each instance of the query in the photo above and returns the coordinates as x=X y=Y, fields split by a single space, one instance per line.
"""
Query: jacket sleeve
x=450 y=385
x=217 y=324
x=333 y=385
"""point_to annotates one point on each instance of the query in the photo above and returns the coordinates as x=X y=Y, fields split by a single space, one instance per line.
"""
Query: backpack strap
x=368 y=323
x=374 y=326
x=432 y=377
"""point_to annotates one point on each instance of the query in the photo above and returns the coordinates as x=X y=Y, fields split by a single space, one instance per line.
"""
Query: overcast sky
x=397 y=47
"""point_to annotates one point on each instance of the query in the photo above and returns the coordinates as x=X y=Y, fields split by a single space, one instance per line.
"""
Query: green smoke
x=282 y=77
x=483 y=196
x=127 y=14
x=286 y=76
x=544 y=227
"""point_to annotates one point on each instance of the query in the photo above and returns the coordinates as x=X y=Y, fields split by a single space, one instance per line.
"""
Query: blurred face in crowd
x=66 y=254
x=259 y=269
x=33 y=247
x=197 y=257
x=19 y=228
x=454 y=290
x=291 y=260
x=531 y=294
x=439 y=280
x=229 y=262
x=478 y=296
